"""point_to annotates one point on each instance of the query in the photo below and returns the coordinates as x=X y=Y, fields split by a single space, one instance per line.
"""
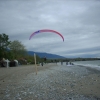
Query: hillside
x=47 y=55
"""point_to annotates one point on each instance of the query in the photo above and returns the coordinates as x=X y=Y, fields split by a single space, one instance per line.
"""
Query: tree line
x=13 y=49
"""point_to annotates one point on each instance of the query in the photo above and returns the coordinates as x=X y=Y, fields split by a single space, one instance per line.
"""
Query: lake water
x=93 y=64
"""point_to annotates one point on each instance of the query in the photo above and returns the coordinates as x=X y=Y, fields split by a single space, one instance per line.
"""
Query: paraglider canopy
x=46 y=30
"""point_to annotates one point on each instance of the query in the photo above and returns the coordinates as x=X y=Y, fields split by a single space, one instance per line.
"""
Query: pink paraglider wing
x=46 y=30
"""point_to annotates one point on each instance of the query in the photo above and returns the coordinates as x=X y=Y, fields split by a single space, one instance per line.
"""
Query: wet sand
x=53 y=82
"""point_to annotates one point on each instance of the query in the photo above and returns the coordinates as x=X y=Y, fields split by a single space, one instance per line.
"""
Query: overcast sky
x=77 y=20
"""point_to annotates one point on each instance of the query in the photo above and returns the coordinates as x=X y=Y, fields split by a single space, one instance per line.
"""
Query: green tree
x=4 y=43
x=30 y=59
x=17 y=48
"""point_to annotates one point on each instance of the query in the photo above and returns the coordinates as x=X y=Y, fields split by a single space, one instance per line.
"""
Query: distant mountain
x=47 y=55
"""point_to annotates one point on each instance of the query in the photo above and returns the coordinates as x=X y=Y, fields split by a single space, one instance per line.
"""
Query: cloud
x=78 y=21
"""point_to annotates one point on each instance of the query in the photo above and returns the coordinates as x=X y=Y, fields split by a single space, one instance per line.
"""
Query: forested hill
x=47 y=55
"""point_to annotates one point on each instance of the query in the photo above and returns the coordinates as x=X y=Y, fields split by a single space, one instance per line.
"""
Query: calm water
x=94 y=64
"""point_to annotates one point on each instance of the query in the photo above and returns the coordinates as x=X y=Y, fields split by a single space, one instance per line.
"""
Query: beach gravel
x=52 y=82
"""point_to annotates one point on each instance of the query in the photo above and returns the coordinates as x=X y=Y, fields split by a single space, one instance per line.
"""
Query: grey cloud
x=85 y=50
x=92 y=15
x=78 y=21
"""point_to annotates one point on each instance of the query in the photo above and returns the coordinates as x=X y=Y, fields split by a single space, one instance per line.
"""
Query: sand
x=52 y=82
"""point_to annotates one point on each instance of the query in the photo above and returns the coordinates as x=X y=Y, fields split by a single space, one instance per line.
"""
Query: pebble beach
x=52 y=82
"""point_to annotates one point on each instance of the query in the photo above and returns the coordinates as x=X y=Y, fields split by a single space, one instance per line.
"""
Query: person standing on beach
x=66 y=63
x=61 y=62
x=55 y=61
x=42 y=63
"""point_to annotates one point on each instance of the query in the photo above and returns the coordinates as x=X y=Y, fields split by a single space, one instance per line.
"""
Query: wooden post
x=35 y=63
x=7 y=63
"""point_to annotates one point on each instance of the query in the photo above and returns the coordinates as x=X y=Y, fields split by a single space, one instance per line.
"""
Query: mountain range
x=47 y=55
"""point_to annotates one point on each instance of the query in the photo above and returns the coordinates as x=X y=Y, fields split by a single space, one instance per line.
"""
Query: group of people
x=67 y=63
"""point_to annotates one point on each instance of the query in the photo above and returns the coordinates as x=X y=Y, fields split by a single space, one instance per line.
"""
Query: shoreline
x=53 y=82
x=90 y=68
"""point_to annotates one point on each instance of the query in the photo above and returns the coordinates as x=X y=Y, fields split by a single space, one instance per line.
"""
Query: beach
x=52 y=82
